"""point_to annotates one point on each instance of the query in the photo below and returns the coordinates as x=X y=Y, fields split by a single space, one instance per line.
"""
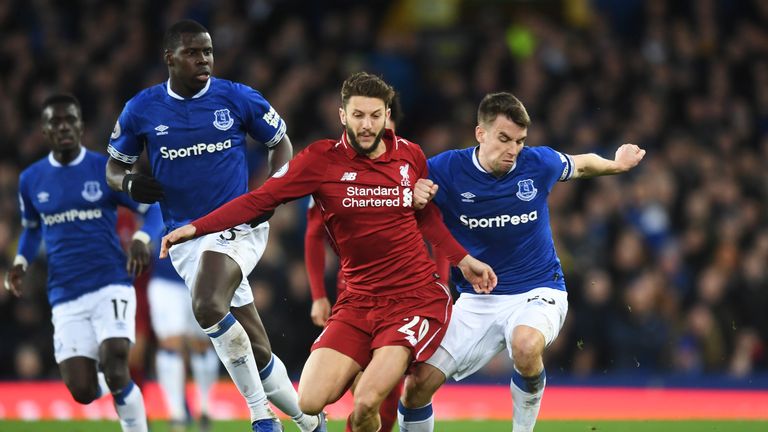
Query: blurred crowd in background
x=666 y=267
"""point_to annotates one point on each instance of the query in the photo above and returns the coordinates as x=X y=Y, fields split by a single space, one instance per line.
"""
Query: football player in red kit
x=395 y=309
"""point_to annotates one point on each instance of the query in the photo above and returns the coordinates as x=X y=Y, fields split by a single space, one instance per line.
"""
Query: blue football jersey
x=76 y=212
x=196 y=146
x=503 y=221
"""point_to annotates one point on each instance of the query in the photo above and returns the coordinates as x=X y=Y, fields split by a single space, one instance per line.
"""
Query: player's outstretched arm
x=588 y=165
x=478 y=273
x=179 y=235
x=140 y=187
x=423 y=192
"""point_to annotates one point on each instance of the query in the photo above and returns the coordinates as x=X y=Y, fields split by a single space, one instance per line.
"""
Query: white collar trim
x=76 y=161
x=175 y=95
x=476 y=161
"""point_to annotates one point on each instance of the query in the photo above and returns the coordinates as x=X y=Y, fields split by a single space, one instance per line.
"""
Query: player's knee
x=207 y=313
x=527 y=348
x=367 y=403
x=117 y=378
x=418 y=391
x=83 y=392
x=310 y=405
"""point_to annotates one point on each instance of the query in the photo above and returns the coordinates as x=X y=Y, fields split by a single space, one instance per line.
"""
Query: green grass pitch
x=447 y=426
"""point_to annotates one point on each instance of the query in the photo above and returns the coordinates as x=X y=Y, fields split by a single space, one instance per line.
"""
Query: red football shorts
x=416 y=319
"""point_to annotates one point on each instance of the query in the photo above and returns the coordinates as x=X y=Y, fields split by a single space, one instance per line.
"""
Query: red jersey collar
x=389 y=139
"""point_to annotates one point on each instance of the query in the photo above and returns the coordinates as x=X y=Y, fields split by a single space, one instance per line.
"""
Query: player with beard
x=395 y=309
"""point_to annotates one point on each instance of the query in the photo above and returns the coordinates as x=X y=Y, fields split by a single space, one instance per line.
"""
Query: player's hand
x=138 y=257
x=423 y=192
x=628 y=156
x=13 y=279
x=478 y=273
x=179 y=235
x=143 y=188
x=321 y=310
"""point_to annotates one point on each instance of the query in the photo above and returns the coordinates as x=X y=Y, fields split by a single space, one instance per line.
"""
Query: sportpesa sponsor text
x=194 y=150
x=71 y=215
x=499 y=221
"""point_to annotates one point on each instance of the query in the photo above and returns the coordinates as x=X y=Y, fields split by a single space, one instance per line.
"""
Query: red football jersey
x=367 y=209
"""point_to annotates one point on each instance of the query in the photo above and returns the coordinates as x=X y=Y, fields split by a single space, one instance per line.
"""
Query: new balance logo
x=162 y=130
x=468 y=197
x=349 y=176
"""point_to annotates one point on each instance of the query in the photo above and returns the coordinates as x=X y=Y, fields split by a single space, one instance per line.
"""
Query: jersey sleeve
x=559 y=165
x=263 y=123
x=434 y=167
x=433 y=228
x=314 y=251
x=32 y=234
x=125 y=143
x=301 y=176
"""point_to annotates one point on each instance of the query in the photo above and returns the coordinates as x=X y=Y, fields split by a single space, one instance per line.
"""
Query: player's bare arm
x=423 y=192
x=280 y=154
x=179 y=235
x=13 y=279
x=138 y=254
x=588 y=165
x=140 y=187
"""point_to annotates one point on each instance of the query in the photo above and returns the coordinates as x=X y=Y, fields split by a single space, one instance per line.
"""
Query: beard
x=356 y=145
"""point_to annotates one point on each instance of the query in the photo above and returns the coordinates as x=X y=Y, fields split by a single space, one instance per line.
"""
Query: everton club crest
x=91 y=191
x=526 y=191
x=222 y=120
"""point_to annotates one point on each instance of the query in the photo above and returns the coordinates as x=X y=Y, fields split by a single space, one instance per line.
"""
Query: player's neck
x=485 y=165
x=65 y=157
x=184 y=91
x=379 y=151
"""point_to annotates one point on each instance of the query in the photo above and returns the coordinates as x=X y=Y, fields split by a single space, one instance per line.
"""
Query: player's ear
x=343 y=116
x=480 y=134
x=168 y=57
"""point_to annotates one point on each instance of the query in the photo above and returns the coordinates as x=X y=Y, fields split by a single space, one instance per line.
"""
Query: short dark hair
x=505 y=104
x=172 y=38
x=368 y=85
x=61 y=98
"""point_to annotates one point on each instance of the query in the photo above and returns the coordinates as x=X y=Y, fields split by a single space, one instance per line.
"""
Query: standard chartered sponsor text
x=376 y=195
x=498 y=221
x=194 y=150
x=71 y=215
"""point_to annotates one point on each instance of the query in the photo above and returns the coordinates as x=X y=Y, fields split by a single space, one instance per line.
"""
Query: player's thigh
x=543 y=309
x=114 y=313
x=74 y=334
x=327 y=374
x=383 y=373
x=243 y=244
x=473 y=338
x=170 y=308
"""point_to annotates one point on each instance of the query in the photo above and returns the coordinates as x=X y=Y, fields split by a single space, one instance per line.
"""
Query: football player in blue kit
x=494 y=201
x=65 y=202
x=194 y=128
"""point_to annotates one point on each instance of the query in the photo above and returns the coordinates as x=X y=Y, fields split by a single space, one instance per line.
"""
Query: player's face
x=62 y=127
x=191 y=63
x=365 y=119
x=500 y=143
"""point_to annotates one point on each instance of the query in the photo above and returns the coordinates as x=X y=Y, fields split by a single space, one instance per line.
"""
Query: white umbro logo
x=468 y=197
x=349 y=176
x=162 y=130
x=43 y=197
